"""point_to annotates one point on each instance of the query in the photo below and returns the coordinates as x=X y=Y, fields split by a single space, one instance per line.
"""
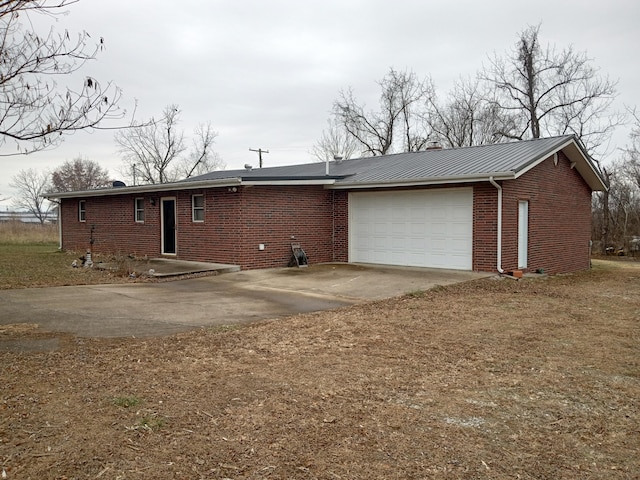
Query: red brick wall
x=485 y=214
x=340 y=226
x=115 y=230
x=218 y=238
x=235 y=224
x=273 y=215
x=559 y=220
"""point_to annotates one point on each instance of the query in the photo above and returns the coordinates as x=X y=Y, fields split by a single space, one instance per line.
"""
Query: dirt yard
x=495 y=379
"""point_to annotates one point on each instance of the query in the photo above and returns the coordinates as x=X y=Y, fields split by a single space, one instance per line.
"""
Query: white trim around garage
x=423 y=228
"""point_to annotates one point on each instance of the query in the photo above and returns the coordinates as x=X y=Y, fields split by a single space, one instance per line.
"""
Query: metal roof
x=466 y=164
x=502 y=161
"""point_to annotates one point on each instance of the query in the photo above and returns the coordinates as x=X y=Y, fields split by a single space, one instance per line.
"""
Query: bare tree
x=601 y=211
x=468 y=117
x=201 y=158
x=34 y=110
x=31 y=185
x=79 y=174
x=552 y=92
x=616 y=212
x=632 y=151
x=398 y=124
x=334 y=142
x=156 y=152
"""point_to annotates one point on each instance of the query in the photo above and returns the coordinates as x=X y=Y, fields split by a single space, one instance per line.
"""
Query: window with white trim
x=82 y=210
x=197 y=208
x=139 y=210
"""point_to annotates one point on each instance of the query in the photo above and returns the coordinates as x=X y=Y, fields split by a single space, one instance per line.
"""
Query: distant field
x=18 y=232
x=42 y=265
x=30 y=257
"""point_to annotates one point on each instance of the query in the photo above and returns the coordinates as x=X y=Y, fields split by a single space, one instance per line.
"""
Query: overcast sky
x=265 y=73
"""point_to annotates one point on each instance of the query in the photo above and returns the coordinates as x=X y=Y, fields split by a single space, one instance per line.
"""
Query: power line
x=260 y=152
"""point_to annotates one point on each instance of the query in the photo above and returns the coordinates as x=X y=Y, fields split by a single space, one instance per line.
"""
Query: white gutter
x=151 y=188
x=499 y=250
x=253 y=183
x=162 y=187
x=342 y=185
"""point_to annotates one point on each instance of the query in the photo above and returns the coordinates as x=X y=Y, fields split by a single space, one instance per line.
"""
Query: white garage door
x=422 y=228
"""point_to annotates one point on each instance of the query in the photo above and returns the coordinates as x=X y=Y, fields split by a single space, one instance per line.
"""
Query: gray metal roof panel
x=464 y=162
x=509 y=160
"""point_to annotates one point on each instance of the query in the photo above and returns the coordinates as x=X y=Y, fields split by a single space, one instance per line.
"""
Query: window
x=139 y=210
x=523 y=233
x=82 y=210
x=197 y=208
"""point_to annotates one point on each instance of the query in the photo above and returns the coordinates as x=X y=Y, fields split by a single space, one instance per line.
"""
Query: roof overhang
x=426 y=181
x=579 y=160
x=156 y=187
x=302 y=181
x=164 y=187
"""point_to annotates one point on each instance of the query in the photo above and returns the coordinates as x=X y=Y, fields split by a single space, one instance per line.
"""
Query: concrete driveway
x=155 y=309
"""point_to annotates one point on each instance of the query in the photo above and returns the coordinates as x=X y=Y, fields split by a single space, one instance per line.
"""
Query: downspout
x=60 y=225
x=59 y=203
x=333 y=225
x=499 y=251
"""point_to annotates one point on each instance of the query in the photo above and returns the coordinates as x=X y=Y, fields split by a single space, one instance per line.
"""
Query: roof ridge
x=567 y=136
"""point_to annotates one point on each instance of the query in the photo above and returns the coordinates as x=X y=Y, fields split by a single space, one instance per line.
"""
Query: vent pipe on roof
x=434 y=146
x=247 y=166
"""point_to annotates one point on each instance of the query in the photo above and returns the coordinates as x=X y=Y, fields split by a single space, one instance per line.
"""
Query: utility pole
x=260 y=152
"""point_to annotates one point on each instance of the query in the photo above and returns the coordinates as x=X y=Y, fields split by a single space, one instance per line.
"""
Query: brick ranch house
x=522 y=205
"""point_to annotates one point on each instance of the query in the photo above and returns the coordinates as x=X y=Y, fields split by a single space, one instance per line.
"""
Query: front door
x=168 y=226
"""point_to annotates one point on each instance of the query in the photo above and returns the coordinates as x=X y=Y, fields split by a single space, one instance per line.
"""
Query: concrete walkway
x=165 y=267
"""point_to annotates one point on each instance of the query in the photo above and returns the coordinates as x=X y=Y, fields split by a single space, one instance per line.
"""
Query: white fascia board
x=543 y=158
x=586 y=167
x=156 y=187
x=428 y=181
x=253 y=183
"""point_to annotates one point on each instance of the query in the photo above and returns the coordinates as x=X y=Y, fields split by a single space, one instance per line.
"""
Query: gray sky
x=265 y=73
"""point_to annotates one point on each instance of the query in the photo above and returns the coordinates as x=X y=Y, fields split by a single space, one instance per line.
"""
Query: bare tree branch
x=334 y=142
x=79 y=174
x=398 y=124
x=157 y=152
x=201 y=159
x=31 y=185
x=553 y=93
x=35 y=112
x=468 y=117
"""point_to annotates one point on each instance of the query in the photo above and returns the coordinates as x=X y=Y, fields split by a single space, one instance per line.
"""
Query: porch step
x=165 y=267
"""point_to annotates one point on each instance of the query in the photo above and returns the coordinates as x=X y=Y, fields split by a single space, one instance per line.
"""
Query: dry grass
x=537 y=379
x=30 y=257
x=16 y=232
x=25 y=265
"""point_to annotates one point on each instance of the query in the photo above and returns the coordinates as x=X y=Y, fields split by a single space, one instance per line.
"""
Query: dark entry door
x=169 y=226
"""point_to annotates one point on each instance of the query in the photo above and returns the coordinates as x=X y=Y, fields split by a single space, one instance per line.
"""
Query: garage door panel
x=458 y=230
x=399 y=229
x=428 y=228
